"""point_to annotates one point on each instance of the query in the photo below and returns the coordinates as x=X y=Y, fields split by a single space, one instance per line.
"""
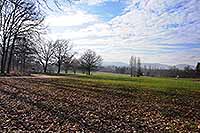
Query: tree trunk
x=17 y=65
x=45 y=68
x=131 y=71
x=74 y=71
x=2 y=63
x=23 y=64
x=89 y=71
x=6 y=54
x=66 y=71
x=11 y=54
x=58 y=69
x=59 y=66
x=3 y=57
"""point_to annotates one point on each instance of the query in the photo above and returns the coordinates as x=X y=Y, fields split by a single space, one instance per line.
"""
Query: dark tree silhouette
x=133 y=67
x=62 y=53
x=45 y=53
x=198 y=67
x=18 y=18
x=139 y=69
x=24 y=54
x=75 y=64
x=68 y=62
x=90 y=61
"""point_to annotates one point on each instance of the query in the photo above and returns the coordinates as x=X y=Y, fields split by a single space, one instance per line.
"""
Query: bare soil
x=43 y=104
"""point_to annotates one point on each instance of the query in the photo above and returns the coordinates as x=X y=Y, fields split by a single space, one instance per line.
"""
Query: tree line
x=135 y=66
x=59 y=53
x=20 y=22
x=21 y=44
x=135 y=70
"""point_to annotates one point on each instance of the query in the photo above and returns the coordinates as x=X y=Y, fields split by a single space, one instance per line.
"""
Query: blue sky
x=106 y=10
x=157 y=31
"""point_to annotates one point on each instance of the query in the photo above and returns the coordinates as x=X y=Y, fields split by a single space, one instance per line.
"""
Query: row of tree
x=59 y=53
x=21 y=45
x=29 y=58
x=135 y=66
x=56 y=53
x=21 y=23
x=154 y=72
x=135 y=69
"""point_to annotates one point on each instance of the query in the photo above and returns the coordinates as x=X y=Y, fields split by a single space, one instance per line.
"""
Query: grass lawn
x=123 y=81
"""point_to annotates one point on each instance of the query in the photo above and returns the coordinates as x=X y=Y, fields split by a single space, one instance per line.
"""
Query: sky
x=157 y=31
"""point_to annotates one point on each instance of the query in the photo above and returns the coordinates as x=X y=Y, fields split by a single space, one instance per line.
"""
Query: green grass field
x=153 y=83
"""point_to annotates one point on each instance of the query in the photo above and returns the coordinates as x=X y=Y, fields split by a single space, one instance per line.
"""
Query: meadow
x=101 y=102
x=125 y=82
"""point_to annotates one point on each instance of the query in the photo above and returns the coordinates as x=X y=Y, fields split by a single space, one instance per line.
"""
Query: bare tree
x=133 y=66
x=90 y=61
x=24 y=54
x=18 y=18
x=198 y=67
x=68 y=61
x=45 y=53
x=139 y=69
x=75 y=64
x=62 y=53
x=131 y=62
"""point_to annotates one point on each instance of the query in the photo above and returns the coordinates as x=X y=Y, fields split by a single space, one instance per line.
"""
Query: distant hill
x=182 y=66
x=118 y=64
x=152 y=65
x=156 y=66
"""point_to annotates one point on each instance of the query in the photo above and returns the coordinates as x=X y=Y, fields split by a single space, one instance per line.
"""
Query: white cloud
x=94 y=2
x=150 y=29
x=71 y=17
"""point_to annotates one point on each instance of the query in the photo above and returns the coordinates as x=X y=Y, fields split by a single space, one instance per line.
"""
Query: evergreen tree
x=198 y=67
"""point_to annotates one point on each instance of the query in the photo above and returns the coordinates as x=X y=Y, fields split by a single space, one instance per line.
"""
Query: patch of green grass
x=153 y=83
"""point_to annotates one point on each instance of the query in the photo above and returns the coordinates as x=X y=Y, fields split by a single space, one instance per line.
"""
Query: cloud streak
x=145 y=27
x=94 y=2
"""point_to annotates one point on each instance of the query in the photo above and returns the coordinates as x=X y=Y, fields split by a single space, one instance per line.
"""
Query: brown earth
x=67 y=105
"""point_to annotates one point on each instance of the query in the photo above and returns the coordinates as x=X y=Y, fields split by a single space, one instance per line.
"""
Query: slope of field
x=103 y=102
